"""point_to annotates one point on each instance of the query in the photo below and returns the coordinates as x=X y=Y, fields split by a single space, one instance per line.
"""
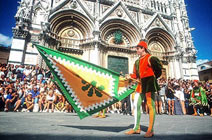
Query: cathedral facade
x=106 y=32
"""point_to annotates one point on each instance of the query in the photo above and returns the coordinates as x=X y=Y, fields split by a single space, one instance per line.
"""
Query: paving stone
x=68 y=126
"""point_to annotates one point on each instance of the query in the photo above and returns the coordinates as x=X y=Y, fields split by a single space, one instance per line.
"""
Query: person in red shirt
x=147 y=69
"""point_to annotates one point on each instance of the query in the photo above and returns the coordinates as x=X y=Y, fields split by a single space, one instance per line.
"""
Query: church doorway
x=118 y=64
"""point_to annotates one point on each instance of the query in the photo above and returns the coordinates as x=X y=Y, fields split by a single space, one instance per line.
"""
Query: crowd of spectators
x=30 y=89
x=174 y=98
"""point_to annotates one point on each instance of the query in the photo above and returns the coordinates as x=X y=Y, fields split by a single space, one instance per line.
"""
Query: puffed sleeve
x=135 y=73
x=156 y=66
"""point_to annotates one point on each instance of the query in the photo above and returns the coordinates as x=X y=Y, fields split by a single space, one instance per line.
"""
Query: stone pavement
x=68 y=126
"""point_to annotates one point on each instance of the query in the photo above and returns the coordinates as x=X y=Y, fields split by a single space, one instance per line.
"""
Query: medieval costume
x=198 y=99
x=147 y=68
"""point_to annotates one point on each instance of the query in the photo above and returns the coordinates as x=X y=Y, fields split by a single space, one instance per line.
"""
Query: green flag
x=89 y=88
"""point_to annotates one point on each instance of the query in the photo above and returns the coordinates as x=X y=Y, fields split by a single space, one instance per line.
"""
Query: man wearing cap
x=147 y=69
x=198 y=98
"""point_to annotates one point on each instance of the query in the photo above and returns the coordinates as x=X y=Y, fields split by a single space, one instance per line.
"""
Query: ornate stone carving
x=19 y=33
x=23 y=15
x=119 y=12
x=181 y=36
x=71 y=33
x=146 y=17
x=23 y=9
x=45 y=27
x=35 y=38
x=146 y=4
x=44 y=4
x=41 y=10
x=157 y=22
x=104 y=8
x=74 y=5
x=133 y=15
x=90 y=5
x=155 y=47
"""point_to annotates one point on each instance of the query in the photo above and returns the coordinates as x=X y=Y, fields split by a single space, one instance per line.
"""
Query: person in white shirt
x=180 y=96
x=50 y=98
x=27 y=72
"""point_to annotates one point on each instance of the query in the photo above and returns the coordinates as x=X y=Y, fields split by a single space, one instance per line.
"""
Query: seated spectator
x=2 y=78
x=35 y=92
x=19 y=74
x=9 y=72
x=29 y=102
x=13 y=78
x=17 y=82
x=2 y=75
x=20 y=68
x=42 y=88
x=33 y=72
x=23 y=82
x=2 y=104
x=68 y=107
x=60 y=106
x=7 y=81
x=42 y=101
x=21 y=98
x=47 y=73
x=39 y=74
x=9 y=97
x=50 y=99
x=27 y=73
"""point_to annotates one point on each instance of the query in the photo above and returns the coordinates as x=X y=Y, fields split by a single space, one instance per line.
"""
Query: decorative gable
x=90 y=6
x=104 y=8
x=76 y=5
x=118 y=11
x=57 y=2
x=156 y=21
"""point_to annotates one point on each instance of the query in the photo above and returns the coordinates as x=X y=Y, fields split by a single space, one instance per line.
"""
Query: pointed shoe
x=149 y=135
x=131 y=131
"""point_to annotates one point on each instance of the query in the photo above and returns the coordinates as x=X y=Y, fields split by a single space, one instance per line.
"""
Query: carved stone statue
x=43 y=8
x=23 y=9
x=44 y=4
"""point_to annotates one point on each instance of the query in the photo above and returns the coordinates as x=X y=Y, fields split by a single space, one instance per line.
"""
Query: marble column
x=18 y=48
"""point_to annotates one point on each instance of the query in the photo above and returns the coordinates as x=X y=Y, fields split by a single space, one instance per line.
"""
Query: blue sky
x=199 y=13
x=200 y=17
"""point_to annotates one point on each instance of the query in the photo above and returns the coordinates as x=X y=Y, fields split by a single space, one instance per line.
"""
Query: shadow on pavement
x=89 y=137
x=105 y=128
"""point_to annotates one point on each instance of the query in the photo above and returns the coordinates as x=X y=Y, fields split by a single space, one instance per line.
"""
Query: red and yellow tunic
x=144 y=72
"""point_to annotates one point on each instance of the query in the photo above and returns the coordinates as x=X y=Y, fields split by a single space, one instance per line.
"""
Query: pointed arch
x=162 y=36
x=131 y=35
x=124 y=10
x=73 y=21
x=160 y=42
